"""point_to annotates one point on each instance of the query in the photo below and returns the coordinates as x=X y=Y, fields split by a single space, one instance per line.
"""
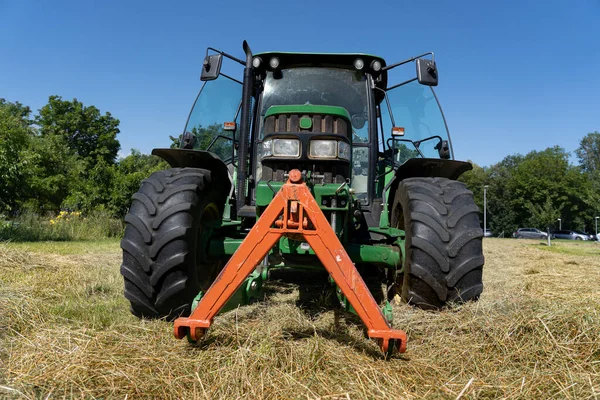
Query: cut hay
x=66 y=331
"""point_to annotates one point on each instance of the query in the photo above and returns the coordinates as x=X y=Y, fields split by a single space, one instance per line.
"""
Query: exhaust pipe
x=244 y=129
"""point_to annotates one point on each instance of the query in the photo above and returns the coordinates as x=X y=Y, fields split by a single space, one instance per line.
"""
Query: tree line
x=65 y=158
x=536 y=189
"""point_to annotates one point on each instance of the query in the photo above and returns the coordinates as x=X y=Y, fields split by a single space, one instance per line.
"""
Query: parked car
x=572 y=235
x=529 y=233
x=488 y=233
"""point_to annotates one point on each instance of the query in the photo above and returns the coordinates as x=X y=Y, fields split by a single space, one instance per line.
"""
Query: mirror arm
x=407 y=61
x=403 y=83
x=233 y=79
x=226 y=55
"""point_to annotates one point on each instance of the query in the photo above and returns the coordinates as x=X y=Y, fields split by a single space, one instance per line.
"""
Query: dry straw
x=65 y=331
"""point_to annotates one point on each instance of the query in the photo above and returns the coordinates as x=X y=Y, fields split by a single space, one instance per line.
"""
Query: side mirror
x=188 y=139
x=443 y=149
x=211 y=67
x=427 y=73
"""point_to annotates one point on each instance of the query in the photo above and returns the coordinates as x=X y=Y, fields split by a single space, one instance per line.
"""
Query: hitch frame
x=294 y=213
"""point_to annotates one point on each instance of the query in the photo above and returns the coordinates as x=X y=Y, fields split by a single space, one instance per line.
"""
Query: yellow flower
x=52 y=222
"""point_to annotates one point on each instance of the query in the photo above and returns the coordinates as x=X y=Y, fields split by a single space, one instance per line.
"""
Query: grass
x=573 y=247
x=65 y=331
x=65 y=226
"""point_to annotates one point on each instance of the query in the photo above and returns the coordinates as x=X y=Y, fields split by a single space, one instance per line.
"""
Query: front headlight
x=267 y=148
x=329 y=149
x=286 y=147
x=344 y=150
x=281 y=148
x=323 y=148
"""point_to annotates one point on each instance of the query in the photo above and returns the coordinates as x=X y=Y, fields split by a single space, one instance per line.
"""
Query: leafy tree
x=543 y=215
x=589 y=159
x=87 y=133
x=588 y=152
x=548 y=174
x=17 y=110
x=53 y=173
x=475 y=180
x=127 y=179
x=15 y=133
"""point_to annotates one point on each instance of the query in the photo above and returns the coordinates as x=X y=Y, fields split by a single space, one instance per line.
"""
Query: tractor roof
x=334 y=60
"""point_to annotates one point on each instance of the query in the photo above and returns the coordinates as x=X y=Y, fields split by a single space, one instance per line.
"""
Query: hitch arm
x=294 y=213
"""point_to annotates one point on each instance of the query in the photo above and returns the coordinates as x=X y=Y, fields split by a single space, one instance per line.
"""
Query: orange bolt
x=295 y=176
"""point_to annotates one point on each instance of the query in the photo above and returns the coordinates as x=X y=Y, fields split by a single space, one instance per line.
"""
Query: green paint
x=308 y=109
x=249 y=291
x=392 y=233
x=388 y=312
x=264 y=195
x=305 y=123
x=384 y=255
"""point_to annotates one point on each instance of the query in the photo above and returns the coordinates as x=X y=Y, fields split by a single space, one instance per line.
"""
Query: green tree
x=588 y=152
x=543 y=215
x=87 y=133
x=475 y=180
x=535 y=188
x=72 y=156
x=503 y=218
x=15 y=133
x=53 y=173
x=128 y=176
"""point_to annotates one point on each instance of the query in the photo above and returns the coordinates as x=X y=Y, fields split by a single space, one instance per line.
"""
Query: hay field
x=66 y=332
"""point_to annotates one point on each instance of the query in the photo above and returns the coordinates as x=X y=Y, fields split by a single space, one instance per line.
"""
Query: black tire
x=165 y=241
x=444 y=255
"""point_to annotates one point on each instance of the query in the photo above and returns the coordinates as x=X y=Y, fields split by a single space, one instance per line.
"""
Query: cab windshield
x=416 y=109
x=320 y=86
x=218 y=102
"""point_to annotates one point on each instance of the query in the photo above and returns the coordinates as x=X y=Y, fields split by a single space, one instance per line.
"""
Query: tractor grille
x=320 y=124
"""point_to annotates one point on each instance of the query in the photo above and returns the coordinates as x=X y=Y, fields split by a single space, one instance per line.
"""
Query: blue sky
x=515 y=76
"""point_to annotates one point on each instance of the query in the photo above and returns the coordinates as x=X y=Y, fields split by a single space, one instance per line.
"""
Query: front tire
x=167 y=232
x=444 y=255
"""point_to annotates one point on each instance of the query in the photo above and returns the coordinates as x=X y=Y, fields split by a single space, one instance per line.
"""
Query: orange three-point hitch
x=293 y=212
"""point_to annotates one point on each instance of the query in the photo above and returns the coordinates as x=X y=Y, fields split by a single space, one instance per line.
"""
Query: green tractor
x=376 y=156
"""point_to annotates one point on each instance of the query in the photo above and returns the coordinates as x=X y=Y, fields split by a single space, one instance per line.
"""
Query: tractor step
x=294 y=213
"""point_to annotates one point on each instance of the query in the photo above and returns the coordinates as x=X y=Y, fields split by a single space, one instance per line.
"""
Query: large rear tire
x=168 y=228
x=444 y=255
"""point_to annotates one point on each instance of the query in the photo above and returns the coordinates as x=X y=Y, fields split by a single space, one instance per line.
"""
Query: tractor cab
x=332 y=116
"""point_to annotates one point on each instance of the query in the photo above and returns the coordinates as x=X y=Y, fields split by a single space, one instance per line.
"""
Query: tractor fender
x=426 y=168
x=432 y=168
x=181 y=158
